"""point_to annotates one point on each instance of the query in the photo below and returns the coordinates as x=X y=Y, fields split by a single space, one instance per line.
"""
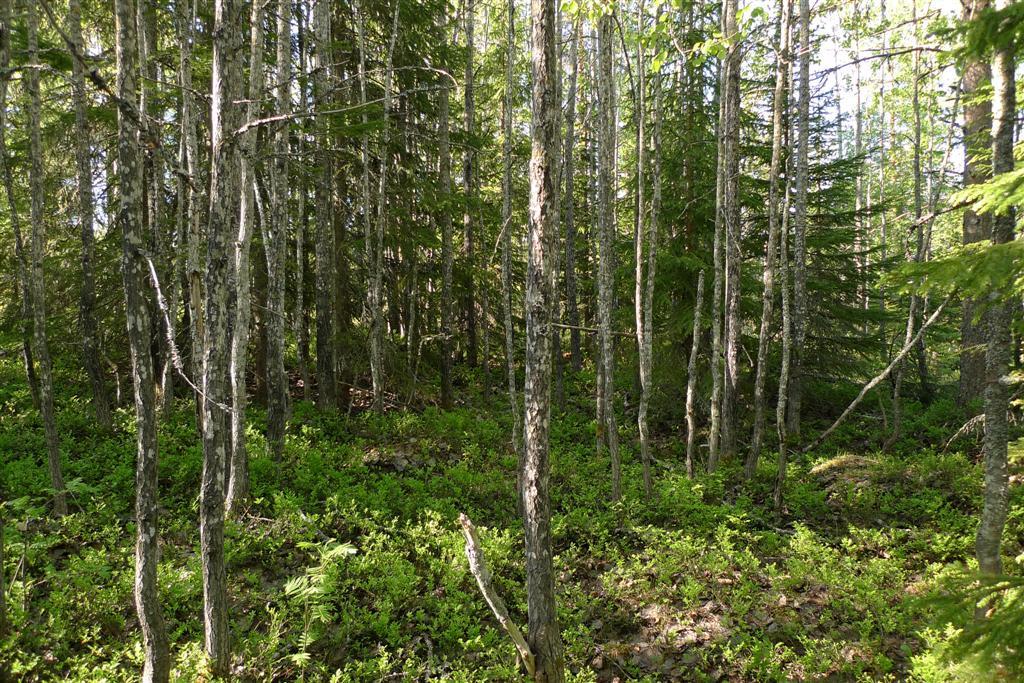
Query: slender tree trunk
x=275 y=243
x=225 y=118
x=544 y=637
x=799 y=313
x=787 y=337
x=998 y=317
x=376 y=292
x=301 y=315
x=469 y=194
x=136 y=273
x=568 y=198
x=506 y=229
x=976 y=227
x=12 y=207
x=640 y=317
x=715 y=429
x=768 y=299
x=37 y=282
x=324 y=241
x=87 y=295
x=374 y=302
x=238 y=470
x=691 y=379
x=606 y=229
x=733 y=258
x=447 y=255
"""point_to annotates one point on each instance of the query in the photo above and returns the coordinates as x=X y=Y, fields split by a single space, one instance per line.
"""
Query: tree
x=37 y=280
x=225 y=117
x=998 y=317
x=506 y=224
x=469 y=195
x=779 y=105
x=136 y=273
x=569 y=196
x=976 y=226
x=543 y=636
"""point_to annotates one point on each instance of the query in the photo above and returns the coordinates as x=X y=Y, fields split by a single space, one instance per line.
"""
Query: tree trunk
x=976 y=227
x=606 y=228
x=300 y=317
x=447 y=255
x=12 y=207
x=135 y=271
x=998 y=317
x=568 y=198
x=543 y=637
x=87 y=295
x=799 y=314
x=733 y=258
x=506 y=230
x=640 y=315
x=37 y=251
x=715 y=429
x=691 y=379
x=768 y=299
x=225 y=116
x=469 y=195
x=787 y=334
x=324 y=242
x=275 y=243
x=238 y=470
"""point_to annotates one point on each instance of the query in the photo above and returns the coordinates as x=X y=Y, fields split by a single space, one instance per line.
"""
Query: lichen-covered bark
x=87 y=291
x=691 y=379
x=543 y=635
x=506 y=226
x=606 y=229
x=715 y=428
x=768 y=297
x=225 y=118
x=998 y=351
x=37 y=251
x=136 y=274
x=569 y=200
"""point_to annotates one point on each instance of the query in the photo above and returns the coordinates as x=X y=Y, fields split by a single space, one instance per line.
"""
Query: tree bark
x=733 y=258
x=275 y=243
x=135 y=271
x=87 y=293
x=691 y=379
x=324 y=241
x=37 y=252
x=568 y=198
x=238 y=470
x=779 y=105
x=469 y=196
x=300 y=318
x=544 y=638
x=796 y=380
x=998 y=317
x=225 y=118
x=606 y=229
x=447 y=250
x=506 y=228
x=715 y=429
x=976 y=227
x=641 y=315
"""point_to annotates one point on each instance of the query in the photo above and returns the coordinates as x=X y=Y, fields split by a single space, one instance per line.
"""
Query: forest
x=493 y=340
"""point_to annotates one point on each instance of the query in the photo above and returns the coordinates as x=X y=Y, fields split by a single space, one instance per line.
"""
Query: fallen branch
x=478 y=568
x=878 y=379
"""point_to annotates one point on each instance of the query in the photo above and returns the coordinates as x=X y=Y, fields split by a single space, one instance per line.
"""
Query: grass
x=349 y=564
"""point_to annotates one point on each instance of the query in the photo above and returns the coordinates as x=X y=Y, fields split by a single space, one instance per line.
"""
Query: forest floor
x=349 y=564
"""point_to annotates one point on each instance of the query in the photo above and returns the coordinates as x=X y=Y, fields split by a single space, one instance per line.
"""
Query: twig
x=478 y=568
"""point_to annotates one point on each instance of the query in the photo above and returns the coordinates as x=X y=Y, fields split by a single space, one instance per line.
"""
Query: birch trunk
x=799 y=313
x=506 y=228
x=37 y=252
x=447 y=256
x=568 y=198
x=135 y=271
x=24 y=288
x=225 y=118
x=238 y=470
x=275 y=241
x=640 y=315
x=998 y=318
x=468 y=192
x=976 y=227
x=606 y=229
x=715 y=430
x=543 y=636
x=691 y=379
x=300 y=317
x=87 y=294
x=324 y=241
x=787 y=339
x=768 y=299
